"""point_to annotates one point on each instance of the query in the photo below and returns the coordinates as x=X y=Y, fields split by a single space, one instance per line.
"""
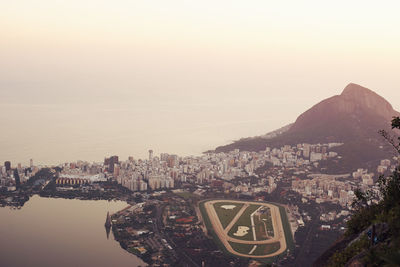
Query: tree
x=390 y=186
x=386 y=212
x=391 y=139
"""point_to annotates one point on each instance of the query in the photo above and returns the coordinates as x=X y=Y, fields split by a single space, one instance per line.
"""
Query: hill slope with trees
x=373 y=234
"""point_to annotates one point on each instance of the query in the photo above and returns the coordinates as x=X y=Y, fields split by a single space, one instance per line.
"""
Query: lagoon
x=61 y=232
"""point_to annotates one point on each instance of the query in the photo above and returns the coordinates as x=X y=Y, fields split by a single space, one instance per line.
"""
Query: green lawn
x=263 y=221
x=225 y=216
x=244 y=220
x=186 y=195
x=241 y=248
x=261 y=250
x=266 y=249
x=261 y=234
x=287 y=229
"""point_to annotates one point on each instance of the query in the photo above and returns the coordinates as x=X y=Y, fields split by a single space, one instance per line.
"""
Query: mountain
x=353 y=118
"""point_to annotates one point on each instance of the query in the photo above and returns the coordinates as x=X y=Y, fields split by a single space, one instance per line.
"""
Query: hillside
x=353 y=117
x=372 y=236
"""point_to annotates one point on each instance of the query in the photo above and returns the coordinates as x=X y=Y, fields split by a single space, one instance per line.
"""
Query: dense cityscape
x=163 y=224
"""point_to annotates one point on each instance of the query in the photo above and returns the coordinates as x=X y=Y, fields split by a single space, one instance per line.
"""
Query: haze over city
x=86 y=80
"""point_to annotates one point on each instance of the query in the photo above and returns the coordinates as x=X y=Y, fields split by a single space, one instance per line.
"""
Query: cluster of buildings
x=220 y=170
x=80 y=173
x=12 y=178
x=326 y=188
x=339 y=189
x=229 y=172
x=386 y=165
x=166 y=171
x=301 y=154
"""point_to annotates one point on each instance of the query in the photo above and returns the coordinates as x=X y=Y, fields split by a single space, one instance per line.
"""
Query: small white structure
x=228 y=207
x=242 y=231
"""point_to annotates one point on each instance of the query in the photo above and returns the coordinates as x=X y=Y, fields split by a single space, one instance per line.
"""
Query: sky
x=88 y=79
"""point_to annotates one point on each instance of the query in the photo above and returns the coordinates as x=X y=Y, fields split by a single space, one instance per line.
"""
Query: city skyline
x=199 y=133
x=84 y=80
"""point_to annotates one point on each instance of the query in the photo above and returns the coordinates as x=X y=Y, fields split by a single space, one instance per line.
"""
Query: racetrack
x=279 y=235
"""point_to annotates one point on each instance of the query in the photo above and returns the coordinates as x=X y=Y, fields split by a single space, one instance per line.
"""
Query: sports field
x=226 y=211
x=247 y=229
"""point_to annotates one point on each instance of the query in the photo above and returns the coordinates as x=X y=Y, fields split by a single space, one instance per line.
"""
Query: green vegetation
x=286 y=228
x=261 y=233
x=244 y=220
x=342 y=257
x=186 y=195
x=261 y=250
x=241 y=248
x=134 y=251
x=377 y=225
x=225 y=215
x=266 y=249
x=263 y=224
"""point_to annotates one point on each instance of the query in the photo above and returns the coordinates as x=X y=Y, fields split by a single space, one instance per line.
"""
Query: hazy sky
x=86 y=79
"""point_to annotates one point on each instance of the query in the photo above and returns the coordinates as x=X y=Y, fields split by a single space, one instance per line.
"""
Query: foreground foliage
x=375 y=227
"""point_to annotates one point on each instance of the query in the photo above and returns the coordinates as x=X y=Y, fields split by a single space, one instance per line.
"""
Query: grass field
x=287 y=229
x=263 y=224
x=261 y=233
x=225 y=216
x=241 y=248
x=244 y=220
x=259 y=251
x=186 y=195
x=266 y=249
x=246 y=248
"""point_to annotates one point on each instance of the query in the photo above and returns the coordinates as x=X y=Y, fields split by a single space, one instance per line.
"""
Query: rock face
x=357 y=112
x=354 y=101
x=356 y=98
x=354 y=117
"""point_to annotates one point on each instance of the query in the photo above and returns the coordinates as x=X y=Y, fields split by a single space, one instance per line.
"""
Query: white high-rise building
x=143 y=185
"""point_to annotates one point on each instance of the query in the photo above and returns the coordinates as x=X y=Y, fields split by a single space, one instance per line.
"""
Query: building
x=306 y=150
x=7 y=164
x=71 y=181
x=315 y=157
x=172 y=160
x=143 y=185
x=17 y=178
x=367 y=179
x=110 y=163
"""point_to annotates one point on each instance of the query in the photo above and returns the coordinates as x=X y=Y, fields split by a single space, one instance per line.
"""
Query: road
x=304 y=248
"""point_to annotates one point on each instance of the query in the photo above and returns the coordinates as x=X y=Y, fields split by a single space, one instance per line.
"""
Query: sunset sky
x=86 y=79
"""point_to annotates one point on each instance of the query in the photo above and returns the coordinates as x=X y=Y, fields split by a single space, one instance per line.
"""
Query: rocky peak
x=362 y=98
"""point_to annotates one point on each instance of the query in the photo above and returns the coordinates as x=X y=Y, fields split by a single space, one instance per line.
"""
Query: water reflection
x=107 y=225
x=61 y=232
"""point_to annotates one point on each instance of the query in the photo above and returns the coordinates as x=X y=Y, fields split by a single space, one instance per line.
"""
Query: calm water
x=60 y=232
